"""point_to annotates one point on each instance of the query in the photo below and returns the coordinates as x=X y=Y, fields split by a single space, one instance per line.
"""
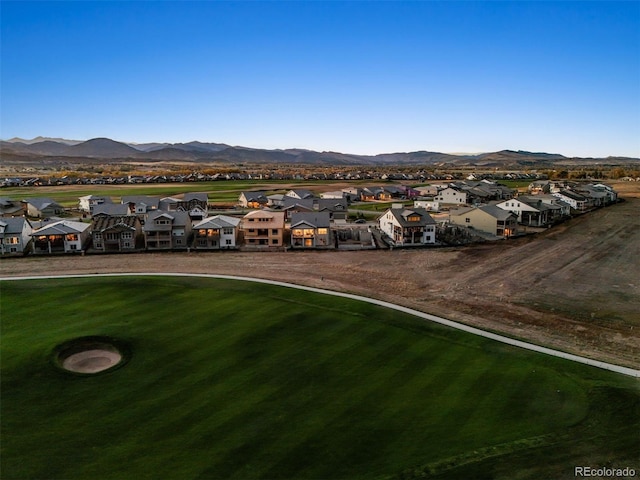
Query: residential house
x=578 y=202
x=530 y=211
x=276 y=200
x=427 y=190
x=167 y=230
x=300 y=194
x=10 y=208
x=488 y=218
x=539 y=186
x=111 y=210
x=408 y=226
x=196 y=204
x=141 y=204
x=337 y=207
x=89 y=202
x=116 y=234
x=252 y=199
x=352 y=194
x=216 y=233
x=336 y=194
x=14 y=235
x=42 y=207
x=63 y=236
x=370 y=194
x=291 y=205
x=451 y=196
x=263 y=228
x=311 y=230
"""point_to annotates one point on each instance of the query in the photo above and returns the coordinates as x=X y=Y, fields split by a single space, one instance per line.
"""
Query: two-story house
x=216 y=233
x=14 y=235
x=263 y=228
x=89 y=202
x=408 y=226
x=311 y=230
x=116 y=234
x=167 y=230
x=452 y=196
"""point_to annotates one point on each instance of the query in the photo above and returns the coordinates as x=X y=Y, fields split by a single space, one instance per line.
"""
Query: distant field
x=233 y=379
x=221 y=191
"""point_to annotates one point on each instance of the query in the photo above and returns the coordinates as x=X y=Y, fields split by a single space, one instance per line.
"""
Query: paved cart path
x=433 y=318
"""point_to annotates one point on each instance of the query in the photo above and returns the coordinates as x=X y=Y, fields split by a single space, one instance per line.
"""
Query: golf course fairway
x=236 y=379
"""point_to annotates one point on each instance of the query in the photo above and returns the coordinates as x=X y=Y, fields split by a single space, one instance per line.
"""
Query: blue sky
x=355 y=77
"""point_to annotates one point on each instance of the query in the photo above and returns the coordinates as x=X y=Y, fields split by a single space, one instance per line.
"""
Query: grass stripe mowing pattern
x=232 y=379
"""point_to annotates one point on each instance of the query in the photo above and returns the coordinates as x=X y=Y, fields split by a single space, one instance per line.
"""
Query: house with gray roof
x=42 y=207
x=15 y=235
x=63 y=236
x=196 y=204
x=337 y=207
x=300 y=194
x=219 y=232
x=311 y=230
x=167 y=230
x=408 y=226
x=488 y=218
x=111 y=210
x=10 y=208
x=141 y=204
x=252 y=199
x=88 y=202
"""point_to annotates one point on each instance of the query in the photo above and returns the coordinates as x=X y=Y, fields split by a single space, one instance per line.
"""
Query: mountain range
x=111 y=151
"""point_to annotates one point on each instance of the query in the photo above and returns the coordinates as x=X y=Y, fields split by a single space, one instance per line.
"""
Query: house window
x=274 y=231
x=322 y=231
x=228 y=231
x=413 y=218
x=12 y=240
x=97 y=236
x=98 y=244
x=228 y=241
x=126 y=245
x=467 y=220
x=126 y=235
x=73 y=246
x=72 y=237
x=428 y=238
x=274 y=241
x=202 y=243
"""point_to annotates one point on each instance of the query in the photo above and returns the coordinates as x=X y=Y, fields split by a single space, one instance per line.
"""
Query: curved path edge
x=426 y=316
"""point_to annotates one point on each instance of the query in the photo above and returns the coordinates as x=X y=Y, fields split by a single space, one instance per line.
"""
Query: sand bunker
x=91 y=361
x=90 y=355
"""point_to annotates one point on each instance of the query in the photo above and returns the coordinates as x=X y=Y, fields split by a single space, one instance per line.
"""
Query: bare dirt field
x=575 y=287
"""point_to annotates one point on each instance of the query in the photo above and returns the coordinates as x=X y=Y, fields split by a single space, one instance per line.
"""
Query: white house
x=532 y=212
x=89 y=202
x=452 y=196
x=216 y=233
x=578 y=202
x=408 y=226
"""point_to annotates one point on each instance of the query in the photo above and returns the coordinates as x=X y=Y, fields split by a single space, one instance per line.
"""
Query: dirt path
x=574 y=288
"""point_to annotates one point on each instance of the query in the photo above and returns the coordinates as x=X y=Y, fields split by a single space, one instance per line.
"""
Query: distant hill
x=42 y=148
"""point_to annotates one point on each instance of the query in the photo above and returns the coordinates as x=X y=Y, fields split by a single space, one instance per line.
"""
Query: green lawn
x=231 y=379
